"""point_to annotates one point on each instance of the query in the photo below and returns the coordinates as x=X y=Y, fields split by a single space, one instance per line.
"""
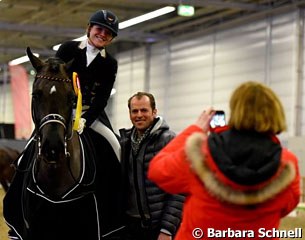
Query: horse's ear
x=36 y=62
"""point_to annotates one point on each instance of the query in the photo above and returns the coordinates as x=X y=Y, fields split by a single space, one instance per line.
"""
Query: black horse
x=7 y=170
x=59 y=190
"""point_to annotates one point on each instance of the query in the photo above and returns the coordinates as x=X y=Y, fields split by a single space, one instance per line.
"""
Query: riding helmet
x=106 y=19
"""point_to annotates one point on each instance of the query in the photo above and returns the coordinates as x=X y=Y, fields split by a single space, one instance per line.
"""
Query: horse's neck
x=65 y=174
x=74 y=146
x=75 y=152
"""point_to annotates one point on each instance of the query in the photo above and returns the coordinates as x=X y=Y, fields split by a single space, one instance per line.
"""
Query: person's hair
x=139 y=95
x=255 y=107
x=89 y=26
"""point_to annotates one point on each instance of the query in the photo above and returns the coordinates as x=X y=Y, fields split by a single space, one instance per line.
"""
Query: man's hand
x=82 y=124
x=163 y=236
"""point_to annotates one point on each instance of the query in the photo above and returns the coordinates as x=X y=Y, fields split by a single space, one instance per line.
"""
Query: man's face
x=99 y=36
x=141 y=113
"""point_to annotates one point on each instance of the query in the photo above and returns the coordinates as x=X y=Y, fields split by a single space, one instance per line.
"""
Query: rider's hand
x=82 y=124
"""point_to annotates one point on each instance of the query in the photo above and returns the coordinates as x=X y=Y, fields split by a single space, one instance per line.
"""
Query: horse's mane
x=55 y=60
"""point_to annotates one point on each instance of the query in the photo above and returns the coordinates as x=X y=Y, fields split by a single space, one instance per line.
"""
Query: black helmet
x=106 y=19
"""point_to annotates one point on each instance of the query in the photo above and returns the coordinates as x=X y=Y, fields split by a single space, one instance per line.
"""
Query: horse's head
x=52 y=105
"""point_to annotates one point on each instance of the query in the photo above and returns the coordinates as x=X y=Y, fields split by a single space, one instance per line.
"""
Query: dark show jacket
x=96 y=80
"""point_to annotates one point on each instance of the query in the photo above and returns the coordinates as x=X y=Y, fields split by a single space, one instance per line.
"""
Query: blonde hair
x=255 y=107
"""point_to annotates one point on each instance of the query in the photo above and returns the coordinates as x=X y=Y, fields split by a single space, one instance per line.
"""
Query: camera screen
x=218 y=119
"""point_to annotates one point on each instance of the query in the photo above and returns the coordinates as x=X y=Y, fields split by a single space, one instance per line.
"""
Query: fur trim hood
x=239 y=168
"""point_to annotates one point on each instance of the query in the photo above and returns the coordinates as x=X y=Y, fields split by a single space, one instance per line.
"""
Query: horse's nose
x=52 y=152
x=53 y=148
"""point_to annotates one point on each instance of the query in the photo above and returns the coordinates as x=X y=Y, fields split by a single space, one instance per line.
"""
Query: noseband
x=53 y=118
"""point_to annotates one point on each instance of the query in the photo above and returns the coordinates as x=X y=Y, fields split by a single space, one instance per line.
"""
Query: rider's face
x=99 y=36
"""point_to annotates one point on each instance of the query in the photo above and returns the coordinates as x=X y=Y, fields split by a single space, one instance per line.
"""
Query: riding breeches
x=100 y=128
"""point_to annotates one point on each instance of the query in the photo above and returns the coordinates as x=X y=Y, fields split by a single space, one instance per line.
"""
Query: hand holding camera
x=211 y=119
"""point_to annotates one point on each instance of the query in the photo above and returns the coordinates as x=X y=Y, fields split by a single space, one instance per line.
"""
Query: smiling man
x=150 y=213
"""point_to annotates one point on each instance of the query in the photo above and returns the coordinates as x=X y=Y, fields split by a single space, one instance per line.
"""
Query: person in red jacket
x=239 y=180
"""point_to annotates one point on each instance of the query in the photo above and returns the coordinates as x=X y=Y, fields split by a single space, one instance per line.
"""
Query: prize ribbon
x=78 y=112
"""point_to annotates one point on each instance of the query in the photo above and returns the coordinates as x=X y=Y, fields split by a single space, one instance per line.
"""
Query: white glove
x=82 y=124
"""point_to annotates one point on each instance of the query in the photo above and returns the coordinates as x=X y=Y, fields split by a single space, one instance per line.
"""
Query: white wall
x=6 y=104
x=296 y=145
x=130 y=79
x=188 y=74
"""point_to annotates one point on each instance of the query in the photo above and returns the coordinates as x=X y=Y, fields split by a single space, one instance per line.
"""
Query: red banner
x=21 y=101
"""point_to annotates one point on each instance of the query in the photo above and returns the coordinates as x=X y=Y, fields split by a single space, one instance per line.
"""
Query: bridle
x=53 y=118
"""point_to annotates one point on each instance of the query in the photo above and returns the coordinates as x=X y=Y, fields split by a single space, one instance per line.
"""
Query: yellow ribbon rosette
x=78 y=112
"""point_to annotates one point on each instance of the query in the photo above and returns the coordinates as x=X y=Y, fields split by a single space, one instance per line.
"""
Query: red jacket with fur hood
x=238 y=184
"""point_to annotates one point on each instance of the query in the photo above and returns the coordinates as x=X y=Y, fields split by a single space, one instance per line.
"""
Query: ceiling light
x=146 y=17
x=133 y=21
x=21 y=60
x=186 y=10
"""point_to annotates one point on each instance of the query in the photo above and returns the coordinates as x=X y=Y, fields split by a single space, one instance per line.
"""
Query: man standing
x=151 y=214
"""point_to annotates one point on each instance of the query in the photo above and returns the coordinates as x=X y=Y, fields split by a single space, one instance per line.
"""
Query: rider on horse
x=39 y=203
x=97 y=71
